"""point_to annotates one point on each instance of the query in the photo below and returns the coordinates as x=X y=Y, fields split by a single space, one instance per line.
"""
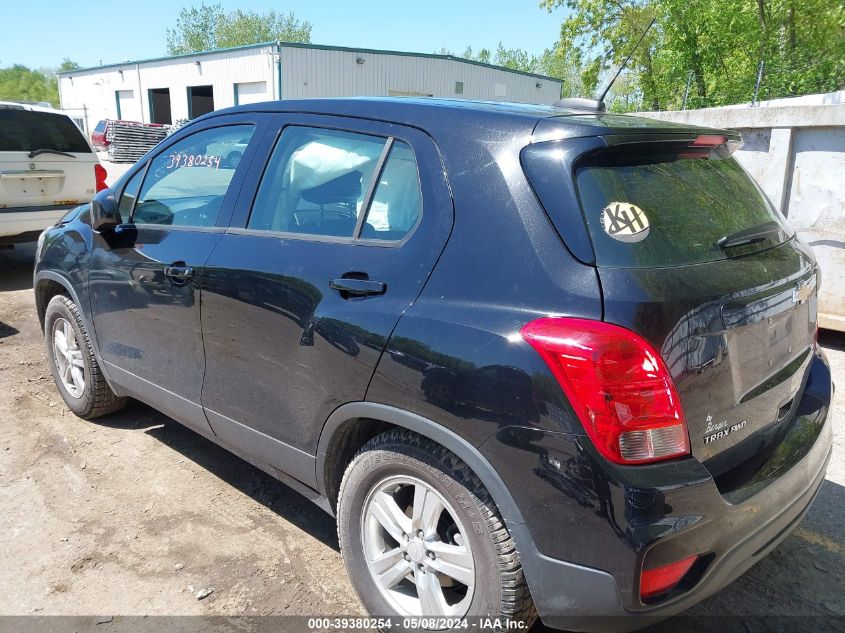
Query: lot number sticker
x=625 y=222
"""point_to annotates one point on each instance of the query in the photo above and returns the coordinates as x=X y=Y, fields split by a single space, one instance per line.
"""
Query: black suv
x=534 y=360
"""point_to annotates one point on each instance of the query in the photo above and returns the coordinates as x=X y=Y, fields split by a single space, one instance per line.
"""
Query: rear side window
x=397 y=200
x=185 y=185
x=28 y=130
x=647 y=208
x=318 y=182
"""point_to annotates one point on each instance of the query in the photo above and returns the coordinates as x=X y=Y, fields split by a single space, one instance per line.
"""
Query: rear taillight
x=100 y=177
x=656 y=581
x=618 y=386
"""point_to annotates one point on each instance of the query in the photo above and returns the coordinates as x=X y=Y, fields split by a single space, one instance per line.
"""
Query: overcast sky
x=42 y=33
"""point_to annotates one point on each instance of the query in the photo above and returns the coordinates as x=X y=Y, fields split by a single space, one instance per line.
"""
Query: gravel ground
x=134 y=515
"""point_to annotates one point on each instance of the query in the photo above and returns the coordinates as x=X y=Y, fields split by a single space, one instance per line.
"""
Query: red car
x=98 y=136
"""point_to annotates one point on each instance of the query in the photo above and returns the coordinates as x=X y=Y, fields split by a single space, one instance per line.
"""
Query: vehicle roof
x=18 y=105
x=32 y=107
x=445 y=114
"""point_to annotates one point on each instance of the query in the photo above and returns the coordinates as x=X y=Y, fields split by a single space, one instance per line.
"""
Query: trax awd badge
x=624 y=222
x=720 y=430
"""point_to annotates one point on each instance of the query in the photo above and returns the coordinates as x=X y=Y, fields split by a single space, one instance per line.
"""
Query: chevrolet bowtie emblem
x=804 y=291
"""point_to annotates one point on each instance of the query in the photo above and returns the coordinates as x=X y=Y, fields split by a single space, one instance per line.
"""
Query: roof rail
x=580 y=103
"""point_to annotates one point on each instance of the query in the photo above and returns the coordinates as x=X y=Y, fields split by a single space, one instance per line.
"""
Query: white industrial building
x=169 y=89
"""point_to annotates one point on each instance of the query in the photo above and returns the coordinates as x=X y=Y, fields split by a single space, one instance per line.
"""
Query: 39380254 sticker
x=624 y=222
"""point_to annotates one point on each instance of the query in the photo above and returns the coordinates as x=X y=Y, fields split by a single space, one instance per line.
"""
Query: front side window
x=186 y=184
x=317 y=183
x=129 y=195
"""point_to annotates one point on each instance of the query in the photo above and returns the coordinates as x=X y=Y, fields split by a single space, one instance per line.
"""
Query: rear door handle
x=179 y=274
x=357 y=287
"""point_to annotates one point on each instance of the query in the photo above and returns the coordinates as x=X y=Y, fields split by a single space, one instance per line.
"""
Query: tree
x=557 y=62
x=67 y=64
x=566 y=65
x=483 y=55
x=208 y=27
x=514 y=58
x=19 y=83
x=711 y=49
x=195 y=30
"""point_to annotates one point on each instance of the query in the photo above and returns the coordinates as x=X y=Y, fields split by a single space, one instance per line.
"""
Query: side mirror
x=105 y=215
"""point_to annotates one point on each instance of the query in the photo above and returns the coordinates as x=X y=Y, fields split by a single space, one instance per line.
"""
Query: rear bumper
x=20 y=221
x=582 y=560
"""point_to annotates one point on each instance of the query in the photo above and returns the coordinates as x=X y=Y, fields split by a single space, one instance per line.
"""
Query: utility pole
x=757 y=83
x=686 y=90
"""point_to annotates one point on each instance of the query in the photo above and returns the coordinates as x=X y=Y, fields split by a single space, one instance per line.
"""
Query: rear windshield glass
x=649 y=209
x=27 y=130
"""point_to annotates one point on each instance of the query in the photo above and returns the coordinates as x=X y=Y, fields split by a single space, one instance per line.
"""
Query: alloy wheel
x=68 y=358
x=417 y=549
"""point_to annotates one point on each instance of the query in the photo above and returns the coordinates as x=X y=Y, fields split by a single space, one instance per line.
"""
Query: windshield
x=652 y=209
x=27 y=130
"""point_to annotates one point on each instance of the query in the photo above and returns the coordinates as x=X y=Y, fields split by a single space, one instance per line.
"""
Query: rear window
x=101 y=127
x=646 y=208
x=27 y=130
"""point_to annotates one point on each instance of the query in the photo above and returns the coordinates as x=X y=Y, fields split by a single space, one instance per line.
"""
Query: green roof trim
x=321 y=47
x=150 y=60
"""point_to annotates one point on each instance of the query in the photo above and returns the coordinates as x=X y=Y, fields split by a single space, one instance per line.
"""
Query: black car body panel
x=262 y=282
x=611 y=519
x=736 y=342
x=259 y=352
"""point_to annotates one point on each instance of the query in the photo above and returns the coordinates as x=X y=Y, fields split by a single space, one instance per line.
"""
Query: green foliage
x=67 y=64
x=208 y=27
x=712 y=46
x=19 y=83
x=514 y=58
x=557 y=62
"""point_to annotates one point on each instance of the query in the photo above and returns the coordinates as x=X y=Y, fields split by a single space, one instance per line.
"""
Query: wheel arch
x=48 y=284
x=557 y=587
x=344 y=422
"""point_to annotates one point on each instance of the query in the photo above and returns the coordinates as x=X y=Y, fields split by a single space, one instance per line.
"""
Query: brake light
x=709 y=140
x=618 y=386
x=100 y=177
x=660 y=579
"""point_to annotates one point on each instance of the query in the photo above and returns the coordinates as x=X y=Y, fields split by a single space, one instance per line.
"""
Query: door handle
x=179 y=274
x=357 y=287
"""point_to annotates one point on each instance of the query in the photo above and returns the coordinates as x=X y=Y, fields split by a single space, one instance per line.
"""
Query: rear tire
x=464 y=564
x=73 y=364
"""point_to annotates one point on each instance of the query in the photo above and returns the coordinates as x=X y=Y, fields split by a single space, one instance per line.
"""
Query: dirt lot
x=133 y=514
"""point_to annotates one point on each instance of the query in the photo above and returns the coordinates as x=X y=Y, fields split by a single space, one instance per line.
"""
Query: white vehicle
x=47 y=167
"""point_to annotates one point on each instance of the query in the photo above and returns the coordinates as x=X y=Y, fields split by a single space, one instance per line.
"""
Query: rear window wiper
x=38 y=152
x=756 y=233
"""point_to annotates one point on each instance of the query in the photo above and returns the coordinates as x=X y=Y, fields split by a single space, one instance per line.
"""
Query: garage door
x=128 y=107
x=252 y=92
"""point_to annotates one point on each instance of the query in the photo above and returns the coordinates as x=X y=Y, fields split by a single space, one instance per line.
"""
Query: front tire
x=421 y=536
x=73 y=364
